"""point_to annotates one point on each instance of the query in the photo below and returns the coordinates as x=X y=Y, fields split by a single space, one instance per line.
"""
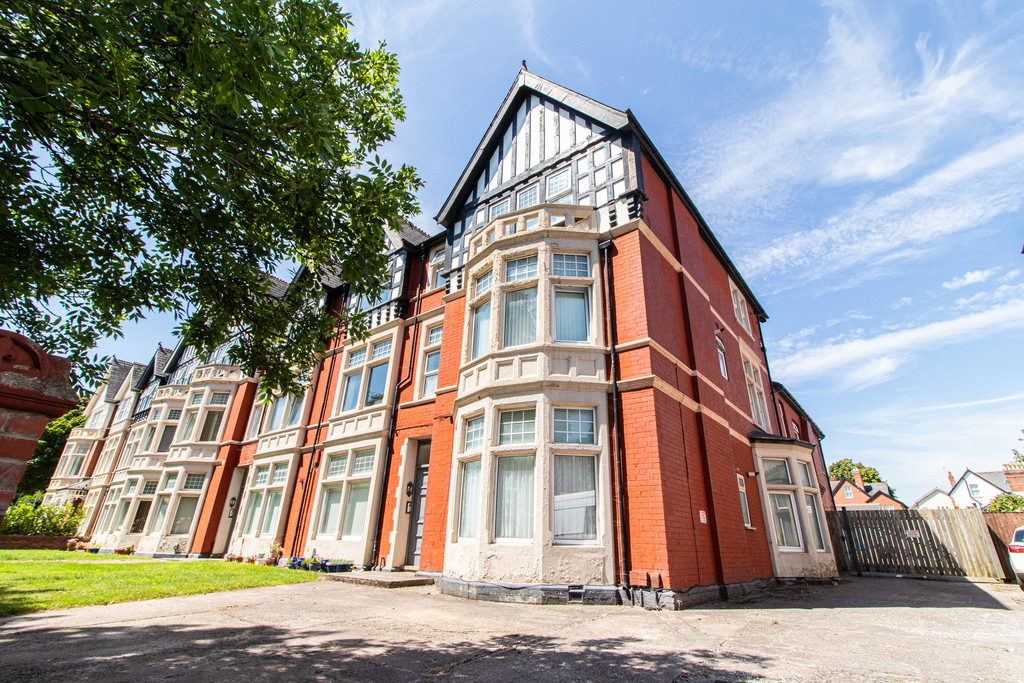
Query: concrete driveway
x=865 y=629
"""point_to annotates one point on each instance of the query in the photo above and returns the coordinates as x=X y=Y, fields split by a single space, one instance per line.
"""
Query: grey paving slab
x=862 y=630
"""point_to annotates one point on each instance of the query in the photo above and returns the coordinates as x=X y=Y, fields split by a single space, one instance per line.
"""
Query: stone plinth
x=35 y=387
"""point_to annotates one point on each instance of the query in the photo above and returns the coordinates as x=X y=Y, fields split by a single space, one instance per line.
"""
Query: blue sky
x=862 y=163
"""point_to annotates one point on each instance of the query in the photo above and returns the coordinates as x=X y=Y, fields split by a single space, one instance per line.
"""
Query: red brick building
x=564 y=394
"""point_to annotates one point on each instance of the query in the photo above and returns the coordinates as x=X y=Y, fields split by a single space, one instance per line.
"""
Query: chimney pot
x=952 y=481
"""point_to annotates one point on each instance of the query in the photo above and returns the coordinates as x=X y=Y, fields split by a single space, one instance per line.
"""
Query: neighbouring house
x=856 y=494
x=974 y=489
x=564 y=394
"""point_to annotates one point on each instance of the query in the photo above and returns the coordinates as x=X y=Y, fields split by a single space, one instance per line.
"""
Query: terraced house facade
x=564 y=394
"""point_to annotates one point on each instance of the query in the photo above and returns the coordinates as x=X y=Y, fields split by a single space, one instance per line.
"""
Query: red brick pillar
x=35 y=387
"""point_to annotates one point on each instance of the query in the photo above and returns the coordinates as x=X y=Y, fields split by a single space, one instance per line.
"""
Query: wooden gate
x=922 y=542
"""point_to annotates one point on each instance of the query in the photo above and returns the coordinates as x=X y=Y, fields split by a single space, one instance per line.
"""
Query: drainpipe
x=316 y=439
x=392 y=427
x=605 y=248
x=771 y=384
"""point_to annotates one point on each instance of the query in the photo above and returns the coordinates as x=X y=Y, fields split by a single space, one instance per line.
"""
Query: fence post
x=849 y=542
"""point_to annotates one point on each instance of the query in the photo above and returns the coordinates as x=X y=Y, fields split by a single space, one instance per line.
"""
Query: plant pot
x=93 y=550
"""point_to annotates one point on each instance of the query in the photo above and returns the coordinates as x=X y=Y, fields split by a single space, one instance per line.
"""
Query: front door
x=419 y=494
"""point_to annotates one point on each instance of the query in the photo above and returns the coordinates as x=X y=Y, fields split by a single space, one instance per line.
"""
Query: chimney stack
x=857 y=479
x=1015 y=477
x=952 y=481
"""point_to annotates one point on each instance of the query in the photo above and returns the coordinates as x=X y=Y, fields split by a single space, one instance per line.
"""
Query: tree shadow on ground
x=855 y=592
x=270 y=653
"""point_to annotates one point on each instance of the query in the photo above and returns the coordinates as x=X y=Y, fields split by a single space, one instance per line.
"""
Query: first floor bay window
x=513 y=498
x=575 y=498
x=520 y=317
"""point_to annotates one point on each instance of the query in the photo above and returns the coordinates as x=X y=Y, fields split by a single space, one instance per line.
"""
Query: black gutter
x=605 y=248
x=392 y=428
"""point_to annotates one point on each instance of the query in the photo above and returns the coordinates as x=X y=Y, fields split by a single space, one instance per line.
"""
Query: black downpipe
x=605 y=248
x=771 y=384
x=392 y=428
x=316 y=438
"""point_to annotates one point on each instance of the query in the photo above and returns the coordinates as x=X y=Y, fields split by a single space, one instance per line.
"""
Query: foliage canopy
x=47 y=454
x=846 y=466
x=28 y=516
x=1006 y=502
x=169 y=155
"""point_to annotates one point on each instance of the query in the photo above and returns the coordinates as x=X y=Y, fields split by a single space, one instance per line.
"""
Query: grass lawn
x=37 y=580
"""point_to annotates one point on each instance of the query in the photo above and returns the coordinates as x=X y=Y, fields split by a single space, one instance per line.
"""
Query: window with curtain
x=330 y=512
x=273 y=508
x=252 y=512
x=776 y=471
x=355 y=511
x=812 y=513
x=572 y=314
x=160 y=514
x=350 y=397
x=469 y=499
x=575 y=498
x=786 y=530
x=481 y=330
x=183 y=515
x=513 y=497
x=520 y=317
x=211 y=426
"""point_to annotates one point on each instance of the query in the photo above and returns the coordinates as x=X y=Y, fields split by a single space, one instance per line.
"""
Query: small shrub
x=28 y=516
x=1006 y=502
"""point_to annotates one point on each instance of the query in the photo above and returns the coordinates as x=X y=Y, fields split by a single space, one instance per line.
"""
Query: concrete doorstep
x=380 y=579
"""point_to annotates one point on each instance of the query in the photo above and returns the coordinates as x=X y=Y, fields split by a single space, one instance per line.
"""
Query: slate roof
x=877 y=487
x=161 y=358
x=780 y=388
x=997 y=479
x=119 y=370
x=278 y=287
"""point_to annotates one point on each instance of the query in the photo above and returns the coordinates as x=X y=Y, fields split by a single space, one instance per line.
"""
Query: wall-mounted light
x=751 y=474
x=409 y=489
x=720 y=330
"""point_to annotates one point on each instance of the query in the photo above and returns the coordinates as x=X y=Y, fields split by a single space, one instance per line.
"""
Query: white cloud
x=970 y=278
x=965 y=193
x=859 y=361
x=903 y=301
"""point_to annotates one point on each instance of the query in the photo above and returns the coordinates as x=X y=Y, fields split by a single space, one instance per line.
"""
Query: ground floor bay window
x=527 y=490
x=792 y=507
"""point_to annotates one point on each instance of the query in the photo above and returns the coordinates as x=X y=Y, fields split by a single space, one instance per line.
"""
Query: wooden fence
x=1001 y=526
x=921 y=542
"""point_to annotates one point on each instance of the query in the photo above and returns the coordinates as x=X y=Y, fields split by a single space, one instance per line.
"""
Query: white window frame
x=435 y=267
x=741 y=484
x=739 y=308
x=430 y=348
x=500 y=208
x=588 y=317
x=361 y=362
x=556 y=178
x=344 y=481
x=523 y=197
x=264 y=482
x=755 y=393
x=722 y=365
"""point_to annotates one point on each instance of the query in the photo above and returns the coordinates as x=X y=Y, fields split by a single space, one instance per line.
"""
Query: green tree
x=1018 y=457
x=846 y=466
x=51 y=444
x=168 y=155
x=1006 y=502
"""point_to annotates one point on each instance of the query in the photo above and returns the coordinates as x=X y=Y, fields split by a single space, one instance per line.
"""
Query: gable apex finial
x=524 y=67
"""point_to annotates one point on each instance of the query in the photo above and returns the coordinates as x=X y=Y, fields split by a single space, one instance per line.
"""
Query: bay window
x=365 y=381
x=517 y=427
x=345 y=494
x=211 y=425
x=263 y=506
x=574 y=425
x=786 y=529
